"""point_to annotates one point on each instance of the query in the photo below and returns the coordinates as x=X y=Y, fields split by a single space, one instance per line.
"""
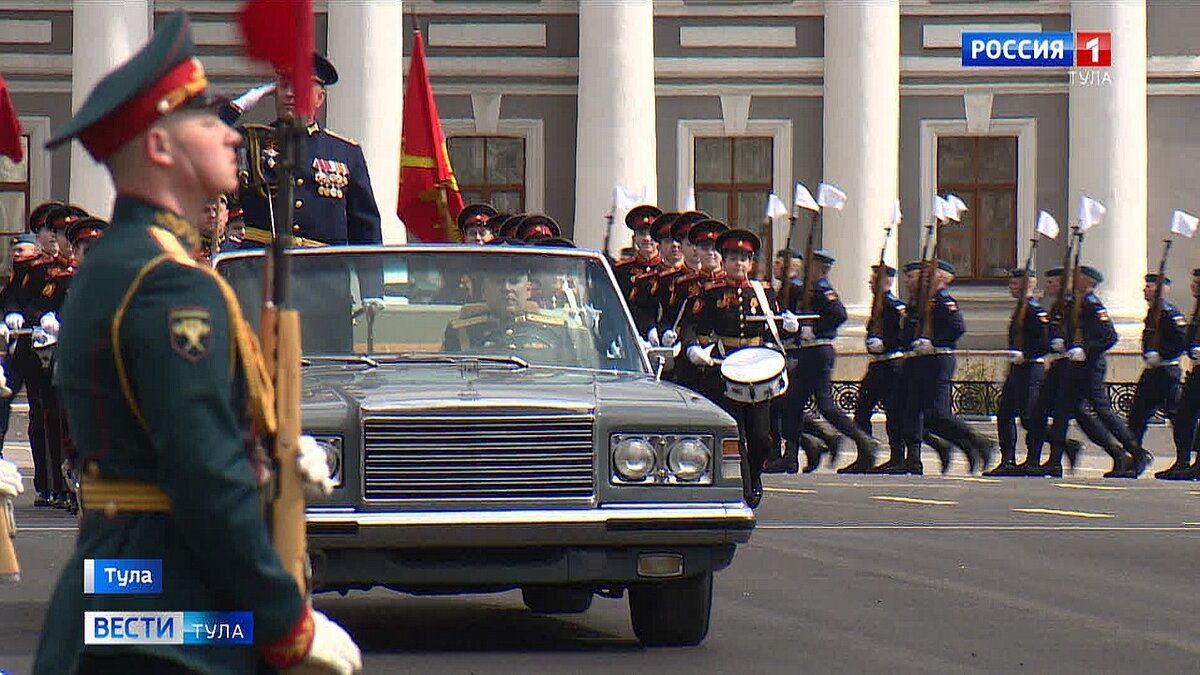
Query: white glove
x=332 y=650
x=701 y=356
x=49 y=323
x=4 y=332
x=923 y=346
x=314 y=467
x=652 y=336
x=374 y=305
x=1058 y=345
x=249 y=98
x=1194 y=353
x=669 y=338
x=14 y=321
x=807 y=334
x=1016 y=357
x=1076 y=354
x=1152 y=359
x=10 y=480
x=874 y=345
x=791 y=323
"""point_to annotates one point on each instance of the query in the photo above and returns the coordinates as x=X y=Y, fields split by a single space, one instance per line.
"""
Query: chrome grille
x=482 y=457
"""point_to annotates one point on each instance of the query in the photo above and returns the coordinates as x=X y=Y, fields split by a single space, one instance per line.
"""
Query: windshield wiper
x=495 y=358
x=349 y=358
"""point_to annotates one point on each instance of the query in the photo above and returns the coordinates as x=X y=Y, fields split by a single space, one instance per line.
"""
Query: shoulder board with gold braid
x=545 y=319
x=719 y=283
x=342 y=138
x=472 y=309
x=470 y=321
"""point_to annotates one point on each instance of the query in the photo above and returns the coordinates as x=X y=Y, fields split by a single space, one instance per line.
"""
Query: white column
x=1108 y=152
x=366 y=39
x=616 y=140
x=105 y=34
x=861 y=139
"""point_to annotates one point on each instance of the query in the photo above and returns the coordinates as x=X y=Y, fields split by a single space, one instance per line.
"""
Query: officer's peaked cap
x=642 y=217
x=739 y=240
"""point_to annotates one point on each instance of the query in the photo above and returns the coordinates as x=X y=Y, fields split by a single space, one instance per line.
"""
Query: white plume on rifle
x=1184 y=223
x=1047 y=225
x=689 y=204
x=804 y=199
x=957 y=207
x=1090 y=213
x=896 y=215
x=831 y=196
x=775 y=207
x=942 y=209
x=623 y=199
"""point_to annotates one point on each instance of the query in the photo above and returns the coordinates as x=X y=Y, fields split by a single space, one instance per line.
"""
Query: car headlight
x=332 y=445
x=688 y=459
x=634 y=459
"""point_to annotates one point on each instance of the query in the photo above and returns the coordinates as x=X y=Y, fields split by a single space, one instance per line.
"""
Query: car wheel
x=672 y=613
x=556 y=599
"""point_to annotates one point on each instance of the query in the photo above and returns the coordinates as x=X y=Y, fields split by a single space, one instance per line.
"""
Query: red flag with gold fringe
x=10 y=127
x=429 y=200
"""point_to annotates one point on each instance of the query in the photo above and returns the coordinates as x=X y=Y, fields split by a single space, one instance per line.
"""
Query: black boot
x=912 y=462
x=1053 y=466
x=982 y=449
x=1142 y=459
x=1032 y=466
x=775 y=461
x=866 y=455
x=791 y=457
x=1007 y=466
x=1180 y=470
x=812 y=453
x=1072 y=450
x=894 y=465
x=1122 y=464
x=754 y=490
x=943 y=448
x=829 y=435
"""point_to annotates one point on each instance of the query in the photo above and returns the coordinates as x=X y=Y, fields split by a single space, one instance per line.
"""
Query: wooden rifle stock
x=280 y=337
x=1022 y=307
x=10 y=568
x=878 y=281
x=1076 y=297
x=785 y=283
x=806 y=290
x=1156 y=306
x=924 y=299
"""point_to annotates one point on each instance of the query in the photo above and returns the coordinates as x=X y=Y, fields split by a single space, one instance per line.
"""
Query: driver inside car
x=509 y=322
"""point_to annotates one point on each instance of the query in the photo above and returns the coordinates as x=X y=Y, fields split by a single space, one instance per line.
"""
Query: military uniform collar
x=741 y=283
x=312 y=128
x=135 y=210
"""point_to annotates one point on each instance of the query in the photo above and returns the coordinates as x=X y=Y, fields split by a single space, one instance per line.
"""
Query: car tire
x=556 y=599
x=672 y=613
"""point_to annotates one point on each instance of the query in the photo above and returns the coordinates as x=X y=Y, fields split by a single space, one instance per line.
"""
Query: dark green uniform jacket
x=153 y=391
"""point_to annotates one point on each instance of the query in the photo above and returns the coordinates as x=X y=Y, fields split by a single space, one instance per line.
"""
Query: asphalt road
x=843 y=574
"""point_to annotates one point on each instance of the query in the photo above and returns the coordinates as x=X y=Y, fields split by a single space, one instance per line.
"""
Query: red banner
x=280 y=32
x=429 y=199
x=10 y=127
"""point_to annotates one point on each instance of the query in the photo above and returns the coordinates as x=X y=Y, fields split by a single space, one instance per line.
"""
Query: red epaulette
x=60 y=272
x=643 y=276
x=625 y=262
x=41 y=259
x=717 y=283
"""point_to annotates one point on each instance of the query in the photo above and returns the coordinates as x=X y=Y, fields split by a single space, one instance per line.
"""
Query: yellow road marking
x=914 y=500
x=1077 y=486
x=1195 y=494
x=1059 y=512
x=790 y=491
x=1190 y=524
x=972 y=479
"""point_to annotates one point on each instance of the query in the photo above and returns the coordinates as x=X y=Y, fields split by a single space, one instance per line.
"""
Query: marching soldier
x=24 y=251
x=693 y=254
x=1028 y=344
x=474 y=223
x=1088 y=334
x=685 y=289
x=880 y=384
x=1164 y=340
x=1183 y=424
x=644 y=297
x=814 y=358
x=645 y=250
x=723 y=320
x=160 y=411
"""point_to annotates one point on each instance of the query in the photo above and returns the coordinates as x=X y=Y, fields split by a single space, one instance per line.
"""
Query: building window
x=982 y=171
x=14 y=202
x=490 y=169
x=733 y=176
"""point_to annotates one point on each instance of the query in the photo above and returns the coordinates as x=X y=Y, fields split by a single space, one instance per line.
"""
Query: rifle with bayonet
x=806 y=290
x=878 y=281
x=1022 y=307
x=785 y=282
x=1157 y=305
x=923 y=303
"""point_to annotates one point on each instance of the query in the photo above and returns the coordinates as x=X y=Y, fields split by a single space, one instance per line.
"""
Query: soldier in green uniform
x=159 y=376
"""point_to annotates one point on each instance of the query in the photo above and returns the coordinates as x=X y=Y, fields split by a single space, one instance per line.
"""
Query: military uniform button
x=508 y=331
x=299 y=203
x=296 y=227
x=299 y=182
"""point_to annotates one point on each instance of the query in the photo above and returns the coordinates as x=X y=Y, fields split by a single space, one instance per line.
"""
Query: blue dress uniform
x=1164 y=340
x=880 y=384
x=1183 y=424
x=724 y=316
x=155 y=363
x=1084 y=383
x=927 y=380
x=813 y=376
x=1028 y=344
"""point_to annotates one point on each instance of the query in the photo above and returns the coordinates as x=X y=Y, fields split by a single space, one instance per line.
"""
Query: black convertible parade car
x=495 y=424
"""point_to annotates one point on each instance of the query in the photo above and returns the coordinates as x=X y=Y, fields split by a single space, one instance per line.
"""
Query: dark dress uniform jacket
x=1172 y=329
x=1034 y=340
x=887 y=328
x=334 y=202
x=154 y=394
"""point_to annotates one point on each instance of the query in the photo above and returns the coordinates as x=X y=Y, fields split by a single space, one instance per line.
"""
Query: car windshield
x=538 y=307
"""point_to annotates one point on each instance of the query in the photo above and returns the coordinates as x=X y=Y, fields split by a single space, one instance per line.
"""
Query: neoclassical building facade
x=547 y=104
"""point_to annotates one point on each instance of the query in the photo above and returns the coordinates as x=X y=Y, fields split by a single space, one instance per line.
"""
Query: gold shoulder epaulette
x=472 y=309
x=340 y=137
x=545 y=319
x=470 y=321
x=714 y=284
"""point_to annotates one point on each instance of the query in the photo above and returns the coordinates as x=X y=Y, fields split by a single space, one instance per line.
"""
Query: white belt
x=890 y=356
x=935 y=352
x=819 y=342
x=1172 y=362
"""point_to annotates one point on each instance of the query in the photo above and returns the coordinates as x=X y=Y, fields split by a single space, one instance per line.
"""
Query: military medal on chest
x=331 y=176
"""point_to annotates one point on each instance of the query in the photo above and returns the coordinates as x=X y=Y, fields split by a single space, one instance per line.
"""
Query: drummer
x=729 y=315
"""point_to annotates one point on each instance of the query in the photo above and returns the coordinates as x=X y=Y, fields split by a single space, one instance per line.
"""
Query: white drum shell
x=754 y=375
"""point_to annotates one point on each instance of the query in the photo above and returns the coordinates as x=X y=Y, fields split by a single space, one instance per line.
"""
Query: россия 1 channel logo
x=1018 y=50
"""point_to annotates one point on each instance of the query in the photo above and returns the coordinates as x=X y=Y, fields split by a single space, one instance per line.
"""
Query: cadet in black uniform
x=474 y=223
x=1028 y=344
x=1164 y=340
x=645 y=250
x=880 y=384
x=721 y=321
x=684 y=289
x=644 y=297
x=1183 y=424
